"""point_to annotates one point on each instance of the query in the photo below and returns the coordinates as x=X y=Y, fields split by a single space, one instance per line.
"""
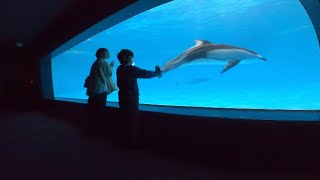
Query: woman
x=100 y=83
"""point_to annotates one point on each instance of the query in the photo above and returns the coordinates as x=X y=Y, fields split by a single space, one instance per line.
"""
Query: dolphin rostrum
x=214 y=52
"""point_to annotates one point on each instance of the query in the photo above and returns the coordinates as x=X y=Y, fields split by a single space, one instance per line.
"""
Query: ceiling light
x=19 y=44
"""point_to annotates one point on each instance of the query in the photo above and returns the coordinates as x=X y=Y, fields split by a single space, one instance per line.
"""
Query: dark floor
x=34 y=146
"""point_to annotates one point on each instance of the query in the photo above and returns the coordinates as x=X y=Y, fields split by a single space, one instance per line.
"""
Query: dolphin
x=213 y=52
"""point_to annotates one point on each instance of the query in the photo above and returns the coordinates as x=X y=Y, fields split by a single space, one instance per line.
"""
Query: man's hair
x=100 y=52
x=123 y=56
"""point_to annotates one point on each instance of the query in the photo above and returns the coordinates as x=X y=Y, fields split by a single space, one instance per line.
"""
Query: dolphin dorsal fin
x=201 y=42
x=198 y=43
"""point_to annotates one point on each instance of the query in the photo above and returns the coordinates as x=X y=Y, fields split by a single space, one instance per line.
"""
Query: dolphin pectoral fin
x=230 y=65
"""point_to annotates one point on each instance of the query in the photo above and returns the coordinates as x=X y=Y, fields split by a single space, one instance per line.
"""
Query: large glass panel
x=280 y=31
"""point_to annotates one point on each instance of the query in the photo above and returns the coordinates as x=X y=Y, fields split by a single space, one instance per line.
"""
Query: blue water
x=281 y=31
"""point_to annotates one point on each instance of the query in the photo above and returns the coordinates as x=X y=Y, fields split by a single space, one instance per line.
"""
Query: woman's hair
x=100 y=52
x=123 y=56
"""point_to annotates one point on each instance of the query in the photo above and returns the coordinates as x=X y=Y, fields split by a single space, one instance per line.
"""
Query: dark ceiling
x=42 y=25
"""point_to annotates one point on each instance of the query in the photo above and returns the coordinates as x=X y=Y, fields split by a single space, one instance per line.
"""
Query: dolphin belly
x=224 y=54
x=209 y=61
x=173 y=64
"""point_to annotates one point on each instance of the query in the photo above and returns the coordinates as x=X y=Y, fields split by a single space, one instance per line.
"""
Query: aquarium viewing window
x=249 y=54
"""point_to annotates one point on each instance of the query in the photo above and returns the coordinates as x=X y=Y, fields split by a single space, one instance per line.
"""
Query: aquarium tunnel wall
x=274 y=44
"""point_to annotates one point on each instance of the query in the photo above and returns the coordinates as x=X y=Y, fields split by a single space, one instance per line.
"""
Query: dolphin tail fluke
x=230 y=65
